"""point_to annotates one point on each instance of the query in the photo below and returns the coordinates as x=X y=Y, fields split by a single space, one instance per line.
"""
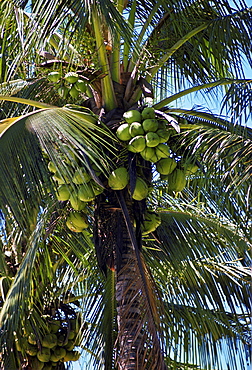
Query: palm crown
x=125 y=218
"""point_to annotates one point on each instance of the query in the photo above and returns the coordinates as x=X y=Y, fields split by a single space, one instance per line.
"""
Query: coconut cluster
x=77 y=188
x=145 y=134
x=71 y=84
x=56 y=346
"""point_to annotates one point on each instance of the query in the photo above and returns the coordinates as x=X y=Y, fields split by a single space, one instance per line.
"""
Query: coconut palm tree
x=125 y=218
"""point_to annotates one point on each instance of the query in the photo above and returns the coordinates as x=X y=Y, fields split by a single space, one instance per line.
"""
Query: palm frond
x=193 y=89
x=217 y=147
x=195 y=57
x=237 y=103
x=209 y=258
x=19 y=291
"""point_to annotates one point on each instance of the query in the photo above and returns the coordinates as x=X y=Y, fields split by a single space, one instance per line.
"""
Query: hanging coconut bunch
x=57 y=344
x=77 y=188
x=70 y=84
x=145 y=133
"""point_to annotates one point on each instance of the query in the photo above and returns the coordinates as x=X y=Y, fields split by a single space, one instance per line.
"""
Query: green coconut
x=63 y=192
x=54 y=76
x=137 y=144
x=80 y=85
x=51 y=167
x=78 y=219
x=76 y=203
x=31 y=350
x=81 y=176
x=118 y=179
x=123 y=132
x=71 y=77
x=54 y=326
x=177 y=180
x=162 y=124
x=136 y=129
x=149 y=154
x=63 y=92
x=73 y=92
x=70 y=345
x=76 y=355
x=72 y=227
x=97 y=189
x=62 y=340
x=69 y=356
x=59 y=352
x=132 y=116
x=151 y=222
x=162 y=151
x=163 y=135
x=71 y=335
x=21 y=343
x=148 y=112
x=32 y=339
x=141 y=189
x=150 y=125
x=190 y=169
x=61 y=179
x=166 y=165
x=44 y=355
x=152 y=139
x=86 y=193
x=49 y=340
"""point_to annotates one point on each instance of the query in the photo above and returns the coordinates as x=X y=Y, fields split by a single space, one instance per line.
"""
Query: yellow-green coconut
x=148 y=112
x=162 y=151
x=177 y=180
x=149 y=154
x=123 y=133
x=136 y=129
x=141 y=189
x=49 y=340
x=150 y=125
x=76 y=203
x=137 y=144
x=79 y=219
x=132 y=116
x=86 y=193
x=166 y=165
x=63 y=192
x=152 y=139
x=44 y=355
x=118 y=179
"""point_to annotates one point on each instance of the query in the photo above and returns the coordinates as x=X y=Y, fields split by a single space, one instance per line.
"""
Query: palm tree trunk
x=137 y=343
x=128 y=311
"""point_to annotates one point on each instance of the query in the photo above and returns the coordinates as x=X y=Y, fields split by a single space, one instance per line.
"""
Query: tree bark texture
x=137 y=343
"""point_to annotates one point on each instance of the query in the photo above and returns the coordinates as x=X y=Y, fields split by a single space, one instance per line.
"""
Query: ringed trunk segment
x=137 y=342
